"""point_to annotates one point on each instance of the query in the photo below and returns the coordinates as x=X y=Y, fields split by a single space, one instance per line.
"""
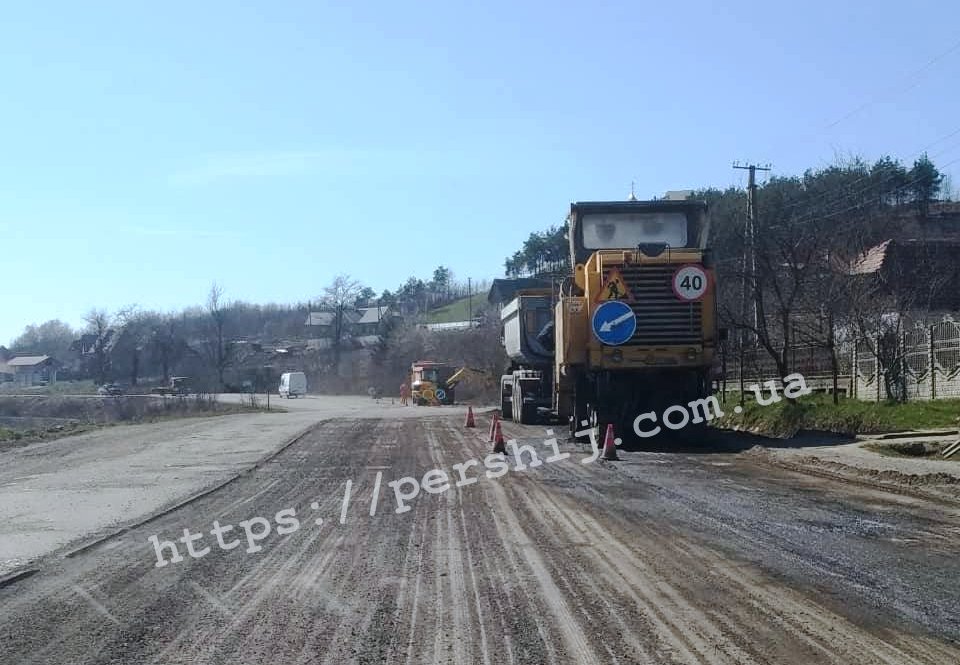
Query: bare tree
x=218 y=348
x=904 y=283
x=791 y=257
x=52 y=338
x=135 y=335
x=342 y=291
x=166 y=344
x=99 y=325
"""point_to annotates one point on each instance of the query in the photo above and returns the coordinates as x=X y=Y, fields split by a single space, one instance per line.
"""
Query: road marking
x=376 y=494
x=94 y=604
x=213 y=600
x=346 y=502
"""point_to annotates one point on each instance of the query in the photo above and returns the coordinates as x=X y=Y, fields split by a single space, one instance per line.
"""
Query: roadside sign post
x=266 y=382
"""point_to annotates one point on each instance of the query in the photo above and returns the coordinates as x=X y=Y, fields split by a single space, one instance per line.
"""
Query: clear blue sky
x=147 y=151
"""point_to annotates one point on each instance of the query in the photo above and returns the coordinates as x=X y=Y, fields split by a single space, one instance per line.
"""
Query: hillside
x=458 y=310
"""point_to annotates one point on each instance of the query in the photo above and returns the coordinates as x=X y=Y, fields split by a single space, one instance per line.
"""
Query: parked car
x=178 y=385
x=111 y=389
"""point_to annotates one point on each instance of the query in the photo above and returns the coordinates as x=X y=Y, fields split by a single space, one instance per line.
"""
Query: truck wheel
x=528 y=414
x=580 y=414
x=596 y=424
x=506 y=405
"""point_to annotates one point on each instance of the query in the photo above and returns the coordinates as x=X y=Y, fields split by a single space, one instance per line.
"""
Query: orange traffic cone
x=470 y=422
x=609 y=445
x=493 y=427
x=498 y=444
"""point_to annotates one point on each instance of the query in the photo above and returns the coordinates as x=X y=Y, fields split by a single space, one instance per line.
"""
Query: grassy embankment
x=458 y=310
x=818 y=412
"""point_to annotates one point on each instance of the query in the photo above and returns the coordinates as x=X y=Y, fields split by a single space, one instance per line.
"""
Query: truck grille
x=662 y=318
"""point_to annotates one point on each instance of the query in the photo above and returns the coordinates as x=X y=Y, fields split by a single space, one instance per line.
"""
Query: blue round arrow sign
x=614 y=322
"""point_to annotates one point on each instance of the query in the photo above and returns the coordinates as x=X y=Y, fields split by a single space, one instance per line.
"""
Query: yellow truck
x=428 y=383
x=633 y=327
x=433 y=383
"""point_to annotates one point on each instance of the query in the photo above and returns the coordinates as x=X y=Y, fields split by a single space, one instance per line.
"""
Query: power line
x=898 y=90
x=807 y=202
x=911 y=79
x=834 y=213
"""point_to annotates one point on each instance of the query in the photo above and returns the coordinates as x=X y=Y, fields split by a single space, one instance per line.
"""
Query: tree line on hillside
x=797 y=289
x=216 y=339
x=810 y=230
x=543 y=254
x=802 y=279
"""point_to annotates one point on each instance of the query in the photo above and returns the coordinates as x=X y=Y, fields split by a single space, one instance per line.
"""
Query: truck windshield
x=625 y=230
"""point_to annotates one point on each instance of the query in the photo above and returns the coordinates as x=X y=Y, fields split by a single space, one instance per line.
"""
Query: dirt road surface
x=61 y=493
x=664 y=557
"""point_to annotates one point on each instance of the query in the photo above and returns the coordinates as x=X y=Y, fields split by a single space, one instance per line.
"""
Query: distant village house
x=28 y=371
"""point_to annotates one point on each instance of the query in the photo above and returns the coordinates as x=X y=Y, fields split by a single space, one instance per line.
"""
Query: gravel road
x=680 y=557
x=57 y=494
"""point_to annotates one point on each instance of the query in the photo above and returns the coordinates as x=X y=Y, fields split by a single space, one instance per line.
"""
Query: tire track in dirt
x=551 y=565
x=825 y=635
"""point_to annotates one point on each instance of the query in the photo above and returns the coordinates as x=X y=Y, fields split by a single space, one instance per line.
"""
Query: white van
x=293 y=384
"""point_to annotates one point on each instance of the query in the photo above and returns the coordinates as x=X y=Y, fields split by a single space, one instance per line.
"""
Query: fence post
x=723 y=362
x=854 y=371
x=933 y=364
x=740 y=361
x=876 y=355
x=903 y=366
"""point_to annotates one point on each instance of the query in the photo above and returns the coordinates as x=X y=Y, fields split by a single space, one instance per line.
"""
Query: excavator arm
x=463 y=373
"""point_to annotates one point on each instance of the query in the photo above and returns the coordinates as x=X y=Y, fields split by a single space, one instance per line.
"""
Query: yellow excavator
x=433 y=383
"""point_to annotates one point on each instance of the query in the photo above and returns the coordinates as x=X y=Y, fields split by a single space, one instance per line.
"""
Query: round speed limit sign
x=690 y=282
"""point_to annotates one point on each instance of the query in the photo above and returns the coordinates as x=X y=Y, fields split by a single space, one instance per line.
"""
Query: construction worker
x=404 y=393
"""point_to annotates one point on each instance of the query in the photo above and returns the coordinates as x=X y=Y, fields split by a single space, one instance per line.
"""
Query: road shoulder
x=57 y=495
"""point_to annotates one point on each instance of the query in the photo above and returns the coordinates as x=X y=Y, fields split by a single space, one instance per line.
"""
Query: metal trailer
x=528 y=340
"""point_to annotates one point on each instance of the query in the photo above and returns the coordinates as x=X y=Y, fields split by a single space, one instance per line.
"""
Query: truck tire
x=528 y=414
x=597 y=424
x=506 y=403
x=579 y=412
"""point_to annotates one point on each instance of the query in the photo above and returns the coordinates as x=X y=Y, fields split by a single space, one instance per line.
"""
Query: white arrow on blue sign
x=614 y=322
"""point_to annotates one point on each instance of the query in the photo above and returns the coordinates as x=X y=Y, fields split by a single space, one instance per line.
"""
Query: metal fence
x=918 y=364
x=921 y=363
x=815 y=363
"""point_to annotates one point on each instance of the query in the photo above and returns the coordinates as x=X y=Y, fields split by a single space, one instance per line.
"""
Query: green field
x=458 y=310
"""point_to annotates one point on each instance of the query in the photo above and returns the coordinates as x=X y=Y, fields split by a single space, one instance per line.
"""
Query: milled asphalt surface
x=69 y=490
x=678 y=555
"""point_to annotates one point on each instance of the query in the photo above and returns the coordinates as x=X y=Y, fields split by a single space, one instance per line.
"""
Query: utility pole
x=749 y=266
x=470 y=303
x=750 y=254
